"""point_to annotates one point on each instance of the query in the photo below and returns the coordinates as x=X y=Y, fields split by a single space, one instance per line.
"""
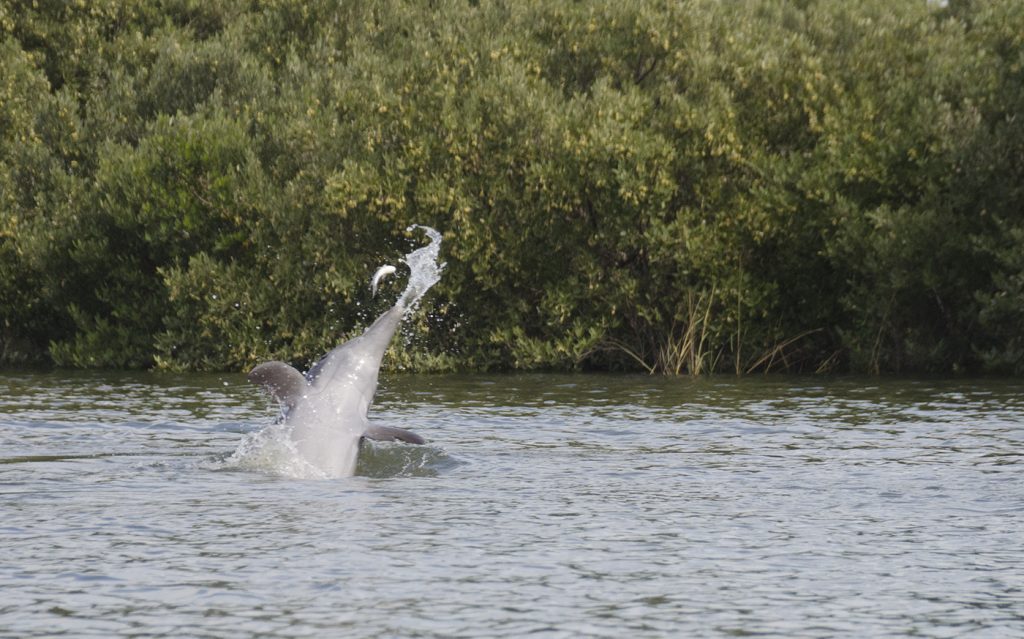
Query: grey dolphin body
x=326 y=409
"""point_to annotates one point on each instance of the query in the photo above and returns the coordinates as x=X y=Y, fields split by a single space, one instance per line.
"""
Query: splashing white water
x=271 y=451
x=424 y=269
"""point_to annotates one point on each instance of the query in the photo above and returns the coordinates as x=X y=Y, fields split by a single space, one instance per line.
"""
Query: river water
x=557 y=506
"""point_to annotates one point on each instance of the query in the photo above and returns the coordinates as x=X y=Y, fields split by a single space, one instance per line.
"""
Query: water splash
x=424 y=268
x=271 y=451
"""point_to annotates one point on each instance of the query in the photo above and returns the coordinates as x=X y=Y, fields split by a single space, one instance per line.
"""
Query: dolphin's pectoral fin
x=282 y=381
x=390 y=434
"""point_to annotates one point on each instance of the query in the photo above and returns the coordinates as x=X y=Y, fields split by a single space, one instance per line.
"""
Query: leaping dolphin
x=325 y=410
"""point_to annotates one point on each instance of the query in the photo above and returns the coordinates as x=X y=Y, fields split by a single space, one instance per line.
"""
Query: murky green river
x=554 y=506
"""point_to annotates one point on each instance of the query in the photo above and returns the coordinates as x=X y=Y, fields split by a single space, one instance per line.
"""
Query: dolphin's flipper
x=282 y=381
x=390 y=434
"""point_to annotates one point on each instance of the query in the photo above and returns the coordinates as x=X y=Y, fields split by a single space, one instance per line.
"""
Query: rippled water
x=549 y=505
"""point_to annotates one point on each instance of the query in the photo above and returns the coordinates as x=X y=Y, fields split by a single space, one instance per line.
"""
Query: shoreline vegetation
x=673 y=187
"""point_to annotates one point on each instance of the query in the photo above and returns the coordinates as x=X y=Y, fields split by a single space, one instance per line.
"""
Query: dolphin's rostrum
x=325 y=410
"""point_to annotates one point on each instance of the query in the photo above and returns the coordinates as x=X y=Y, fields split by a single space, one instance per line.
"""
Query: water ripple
x=563 y=506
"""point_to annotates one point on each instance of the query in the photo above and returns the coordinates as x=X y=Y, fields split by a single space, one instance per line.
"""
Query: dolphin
x=325 y=411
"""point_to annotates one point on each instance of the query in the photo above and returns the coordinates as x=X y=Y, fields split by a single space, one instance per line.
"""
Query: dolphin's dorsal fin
x=282 y=381
x=390 y=434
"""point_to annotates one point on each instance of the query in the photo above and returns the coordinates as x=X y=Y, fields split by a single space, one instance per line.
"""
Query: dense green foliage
x=678 y=186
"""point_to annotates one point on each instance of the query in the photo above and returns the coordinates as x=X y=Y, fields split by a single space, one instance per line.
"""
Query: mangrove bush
x=681 y=186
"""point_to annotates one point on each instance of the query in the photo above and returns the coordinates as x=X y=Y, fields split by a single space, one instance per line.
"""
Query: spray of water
x=424 y=268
